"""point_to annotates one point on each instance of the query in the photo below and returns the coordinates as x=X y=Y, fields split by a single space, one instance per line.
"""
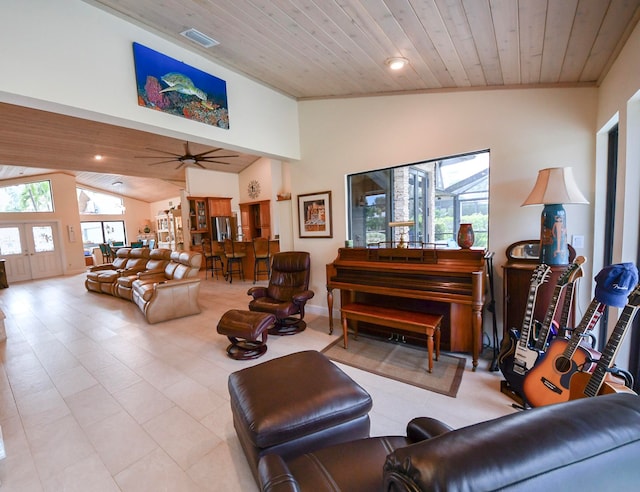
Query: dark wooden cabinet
x=517 y=280
x=256 y=219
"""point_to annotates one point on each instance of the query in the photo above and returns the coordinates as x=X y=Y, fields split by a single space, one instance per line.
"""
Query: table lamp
x=402 y=223
x=555 y=186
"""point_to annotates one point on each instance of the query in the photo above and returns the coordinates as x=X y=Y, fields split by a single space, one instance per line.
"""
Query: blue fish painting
x=170 y=86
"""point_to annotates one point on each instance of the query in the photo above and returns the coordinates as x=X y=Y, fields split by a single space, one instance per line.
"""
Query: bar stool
x=234 y=260
x=208 y=256
x=218 y=253
x=262 y=258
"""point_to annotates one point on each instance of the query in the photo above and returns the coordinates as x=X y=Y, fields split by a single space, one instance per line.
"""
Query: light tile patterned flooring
x=92 y=398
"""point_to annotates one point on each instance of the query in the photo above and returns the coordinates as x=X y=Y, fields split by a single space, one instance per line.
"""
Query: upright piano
x=449 y=282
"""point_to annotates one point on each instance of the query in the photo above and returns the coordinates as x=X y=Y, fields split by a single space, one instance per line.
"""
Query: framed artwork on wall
x=170 y=86
x=314 y=215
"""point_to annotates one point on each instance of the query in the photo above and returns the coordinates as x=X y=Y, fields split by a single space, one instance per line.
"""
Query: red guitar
x=583 y=384
x=548 y=381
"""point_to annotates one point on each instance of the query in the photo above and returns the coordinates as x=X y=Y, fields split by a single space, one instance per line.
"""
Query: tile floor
x=92 y=398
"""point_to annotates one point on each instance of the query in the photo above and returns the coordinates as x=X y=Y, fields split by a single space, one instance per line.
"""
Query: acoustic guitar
x=583 y=384
x=548 y=381
x=513 y=359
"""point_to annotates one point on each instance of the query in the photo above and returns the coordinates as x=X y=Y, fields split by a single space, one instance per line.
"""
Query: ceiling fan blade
x=199 y=165
x=202 y=154
x=161 y=162
x=215 y=162
x=215 y=157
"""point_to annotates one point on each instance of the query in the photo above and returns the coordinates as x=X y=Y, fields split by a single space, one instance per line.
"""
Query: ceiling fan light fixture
x=199 y=38
x=396 y=62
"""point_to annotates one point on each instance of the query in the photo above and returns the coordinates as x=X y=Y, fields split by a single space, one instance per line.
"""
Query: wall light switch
x=577 y=242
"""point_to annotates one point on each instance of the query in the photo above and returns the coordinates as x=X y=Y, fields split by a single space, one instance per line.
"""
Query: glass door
x=30 y=251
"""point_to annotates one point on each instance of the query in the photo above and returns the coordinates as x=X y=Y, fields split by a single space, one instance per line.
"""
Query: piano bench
x=428 y=324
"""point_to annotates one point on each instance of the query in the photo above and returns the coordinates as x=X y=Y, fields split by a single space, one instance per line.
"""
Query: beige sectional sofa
x=164 y=284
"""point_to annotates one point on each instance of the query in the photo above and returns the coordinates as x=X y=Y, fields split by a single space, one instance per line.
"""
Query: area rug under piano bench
x=401 y=362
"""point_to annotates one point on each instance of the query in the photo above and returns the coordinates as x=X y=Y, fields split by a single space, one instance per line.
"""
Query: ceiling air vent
x=197 y=37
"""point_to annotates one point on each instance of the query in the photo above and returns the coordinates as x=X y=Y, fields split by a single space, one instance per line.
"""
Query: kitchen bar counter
x=248 y=261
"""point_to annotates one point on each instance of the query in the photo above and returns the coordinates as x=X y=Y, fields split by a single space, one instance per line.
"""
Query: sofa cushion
x=324 y=470
x=120 y=261
x=108 y=276
x=158 y=259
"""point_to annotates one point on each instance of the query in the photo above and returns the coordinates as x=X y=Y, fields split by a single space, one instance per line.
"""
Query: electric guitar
x=512 y=358
x=548 y=381
x=583 y=384
x=568 y=276
x=563 y=323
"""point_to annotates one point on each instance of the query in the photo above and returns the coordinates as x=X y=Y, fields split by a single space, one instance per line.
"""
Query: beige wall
x=525 y=130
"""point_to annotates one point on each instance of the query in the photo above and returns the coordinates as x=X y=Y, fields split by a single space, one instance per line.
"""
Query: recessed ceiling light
x=396 y=63
x=199 y=38
x=117 y=183
x=97 y=157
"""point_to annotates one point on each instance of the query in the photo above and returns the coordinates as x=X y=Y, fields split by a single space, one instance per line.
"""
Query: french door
x=30 y=250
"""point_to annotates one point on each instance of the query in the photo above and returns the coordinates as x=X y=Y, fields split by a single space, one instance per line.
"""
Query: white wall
x=69 y=57
x=525 y=130
x=619 y=101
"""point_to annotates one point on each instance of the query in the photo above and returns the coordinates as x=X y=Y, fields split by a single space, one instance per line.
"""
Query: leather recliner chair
x=586 y=444
x=158 y=260
x=172 y=293
x=287 y=292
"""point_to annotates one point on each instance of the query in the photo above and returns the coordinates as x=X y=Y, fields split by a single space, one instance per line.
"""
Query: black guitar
x=514 y=352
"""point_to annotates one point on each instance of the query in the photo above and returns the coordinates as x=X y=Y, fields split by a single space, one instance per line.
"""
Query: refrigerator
x=223 y=228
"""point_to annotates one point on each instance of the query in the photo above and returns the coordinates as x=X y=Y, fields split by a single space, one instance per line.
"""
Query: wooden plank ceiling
x=332 y=48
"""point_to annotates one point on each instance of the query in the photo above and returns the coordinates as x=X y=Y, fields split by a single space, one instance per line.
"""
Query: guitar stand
x=492 y=309
x=521 y=402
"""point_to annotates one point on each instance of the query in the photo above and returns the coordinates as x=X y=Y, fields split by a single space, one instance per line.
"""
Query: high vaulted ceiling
x=322 y=48
x=329 y=48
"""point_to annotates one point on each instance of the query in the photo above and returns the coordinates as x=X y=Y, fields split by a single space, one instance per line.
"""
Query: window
x=98 y=232
x=92 y=202
x=27 y=197
x=432 y=197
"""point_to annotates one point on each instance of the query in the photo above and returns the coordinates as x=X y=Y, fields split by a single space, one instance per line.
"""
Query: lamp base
x=553 y=236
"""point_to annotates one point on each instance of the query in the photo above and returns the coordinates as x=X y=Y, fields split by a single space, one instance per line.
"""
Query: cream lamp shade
x=554 y=187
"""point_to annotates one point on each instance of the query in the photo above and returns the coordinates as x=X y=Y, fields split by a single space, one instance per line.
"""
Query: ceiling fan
x=188 y=159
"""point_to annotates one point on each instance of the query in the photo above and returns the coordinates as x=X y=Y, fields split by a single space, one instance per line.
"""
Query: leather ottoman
x=296 y=404
x=247 y=331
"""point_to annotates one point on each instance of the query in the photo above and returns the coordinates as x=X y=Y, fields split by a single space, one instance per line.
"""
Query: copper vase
x=465 y=236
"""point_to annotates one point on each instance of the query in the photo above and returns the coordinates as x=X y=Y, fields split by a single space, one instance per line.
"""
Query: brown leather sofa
x=128 y=261
x=158 y=260
x=586 y=444
x=172 y=293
